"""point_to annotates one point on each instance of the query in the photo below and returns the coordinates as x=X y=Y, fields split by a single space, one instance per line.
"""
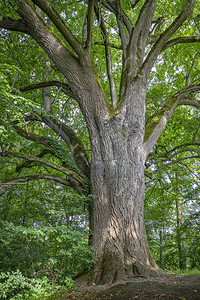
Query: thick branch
x=45 y=6
x=69 y=173
x=62 y=57
x=24 y=179
x=133 y=5
x=181 y=40
x=74 y=143
x=32 y=136
x=108 y=57
x=14 y=25
x=115 y=7
x=158 y=46
x=68 y=135
x=28 y=163
x=46 y=142
x=154 y=129
x=141 y=29
x=87 y=28
x=64 y=87
x=122 y=20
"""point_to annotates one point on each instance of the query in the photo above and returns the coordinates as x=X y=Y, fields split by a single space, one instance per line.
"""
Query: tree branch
x=87 y=27
x=181 y=40
x=74 y=143
x=64 y=87
x=24 y=179
x=58 y=151
x=115 y=7
x=154 y=129
x=173 y=152
x=108 y=57
x=75 y=180
x=32 y=136
x=141 y=29
x=14 y=25
x=69 y=173
x=175 y=161
x=133 y=5
x=28 y=163
x=158 y=46
x=45 y=6
x=62 y=57
x=110 y=45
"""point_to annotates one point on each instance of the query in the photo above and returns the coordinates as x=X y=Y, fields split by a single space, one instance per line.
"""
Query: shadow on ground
x=168 y=287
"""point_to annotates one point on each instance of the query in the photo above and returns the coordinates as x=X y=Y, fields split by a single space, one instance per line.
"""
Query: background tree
x=109 y=86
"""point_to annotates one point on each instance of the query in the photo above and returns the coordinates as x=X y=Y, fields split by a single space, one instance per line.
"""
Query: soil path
x=139 y=288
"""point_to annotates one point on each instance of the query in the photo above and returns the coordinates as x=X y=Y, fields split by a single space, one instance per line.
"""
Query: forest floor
x=170 y=287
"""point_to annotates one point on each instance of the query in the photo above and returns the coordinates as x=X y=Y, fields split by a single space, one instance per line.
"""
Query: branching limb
x=32 y=136
x=141 y=29
x=87 y=27
x=110 y=45
x=67 y=172
x=14 y=25
x=74 y=143
x=67 y=134
x=124 y=24
x=24 y=179
x=43 y=141
x=176 y=150
x=28 y=163
x=154 y=129
x=115 y=7
x=43 y=35
x=181 y=40
x=159 y=45
x=45 y=6
x=133 y=5
x=133 y=51
x=108 y=57
x=64 y=87
x=176 y=162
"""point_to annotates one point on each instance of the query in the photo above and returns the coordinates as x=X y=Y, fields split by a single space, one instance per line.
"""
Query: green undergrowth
x=14 y=285
x=186 y=272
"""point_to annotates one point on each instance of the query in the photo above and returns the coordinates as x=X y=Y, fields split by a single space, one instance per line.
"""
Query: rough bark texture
x=117 y=176
x=116 y=130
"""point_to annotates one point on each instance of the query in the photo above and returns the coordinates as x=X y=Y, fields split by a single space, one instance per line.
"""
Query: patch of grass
x=187 y=272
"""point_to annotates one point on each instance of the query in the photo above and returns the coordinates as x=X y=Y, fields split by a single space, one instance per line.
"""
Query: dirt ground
x=140 y=288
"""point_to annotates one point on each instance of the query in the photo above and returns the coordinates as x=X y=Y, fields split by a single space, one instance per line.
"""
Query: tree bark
x=117 y=177
x=116 y=131
x=178 y=225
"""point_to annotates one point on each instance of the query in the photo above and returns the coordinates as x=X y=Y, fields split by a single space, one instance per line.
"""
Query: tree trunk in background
x=161 y=247
x=182 y=263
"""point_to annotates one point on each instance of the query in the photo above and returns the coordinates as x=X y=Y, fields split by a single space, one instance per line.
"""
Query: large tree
x=136 y=33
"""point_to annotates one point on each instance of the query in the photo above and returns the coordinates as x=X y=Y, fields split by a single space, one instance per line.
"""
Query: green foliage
x=58 y=251
x=43 y=226
x=14 y=285
x=189 y=272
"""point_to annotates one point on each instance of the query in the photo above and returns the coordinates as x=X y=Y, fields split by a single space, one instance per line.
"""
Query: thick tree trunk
x=117 y=218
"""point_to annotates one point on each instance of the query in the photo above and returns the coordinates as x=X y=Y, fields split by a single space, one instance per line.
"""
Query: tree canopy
x=74 y=77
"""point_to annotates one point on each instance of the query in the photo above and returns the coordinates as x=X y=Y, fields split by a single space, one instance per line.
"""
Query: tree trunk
x=161 y=248
x=182 y=264
x=117 y=214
